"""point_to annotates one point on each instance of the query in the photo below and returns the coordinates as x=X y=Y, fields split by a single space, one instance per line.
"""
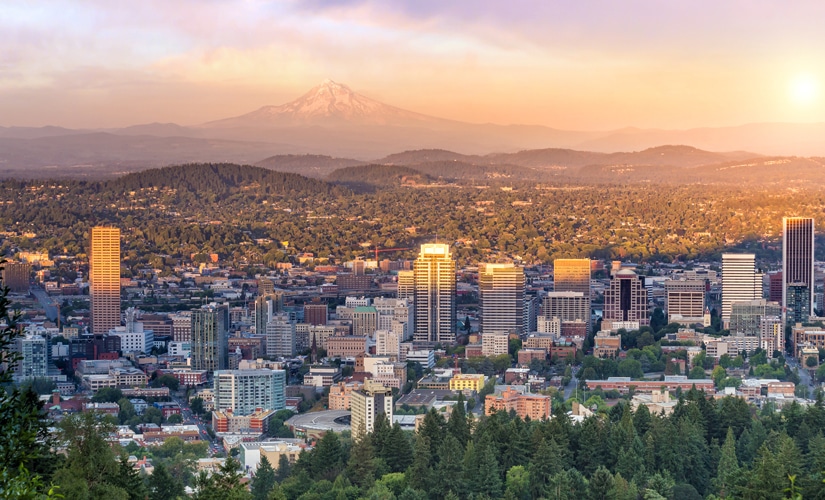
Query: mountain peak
x=329 y=103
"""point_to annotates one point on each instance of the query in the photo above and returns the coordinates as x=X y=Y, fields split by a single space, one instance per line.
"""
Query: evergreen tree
x=641 y=419
x=90 y=468
x=601 y=484
x=225 y=484
x=545 y=464
x=488 y=477
x=448 y=472
x=24 y=447
x=432 y=427
x=361 y=465
x=128 y=479
x=380 y=434
x=727 y=474
x=162 y=486
x=326 y=460
x=276 y=493
x=457 y=424
x=264 y=479
x=397 y=452
x=284 y=468
x=419 y=473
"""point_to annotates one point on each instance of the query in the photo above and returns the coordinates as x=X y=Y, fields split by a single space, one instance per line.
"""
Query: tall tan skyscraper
x=104 y=278
x=434 y=276
x=501 y=291
x=572 y=275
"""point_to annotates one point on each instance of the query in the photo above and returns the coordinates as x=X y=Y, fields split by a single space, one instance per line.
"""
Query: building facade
x=501 y=297
x=626 y=298
x=210 y=345
x=435 y=300
x=104 y=278
x=740 y=281
x=798 y=266
x=572 y=275
x=245 y=391
x=367 y=404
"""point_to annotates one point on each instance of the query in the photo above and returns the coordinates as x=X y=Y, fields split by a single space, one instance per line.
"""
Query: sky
x=581 y=65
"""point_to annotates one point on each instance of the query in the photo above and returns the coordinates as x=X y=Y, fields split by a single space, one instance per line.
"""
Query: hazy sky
x=568 y=64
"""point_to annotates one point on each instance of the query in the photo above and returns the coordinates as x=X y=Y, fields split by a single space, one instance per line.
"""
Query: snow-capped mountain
x=329 y=103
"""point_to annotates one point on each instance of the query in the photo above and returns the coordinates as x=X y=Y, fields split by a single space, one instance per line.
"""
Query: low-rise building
x=467 y=382
x=671 y=383
x=526 y=405
x=340 y=394
x=322 y=376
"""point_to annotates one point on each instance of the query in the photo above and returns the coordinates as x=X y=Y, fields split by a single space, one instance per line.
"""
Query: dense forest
x=254 y=217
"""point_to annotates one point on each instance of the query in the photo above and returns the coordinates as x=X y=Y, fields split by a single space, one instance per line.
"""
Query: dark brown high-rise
x=798 y=258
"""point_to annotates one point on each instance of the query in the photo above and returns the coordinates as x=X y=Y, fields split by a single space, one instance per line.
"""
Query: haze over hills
x=332 y=127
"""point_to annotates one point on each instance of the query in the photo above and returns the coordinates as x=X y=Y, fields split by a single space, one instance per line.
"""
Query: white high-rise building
x=740 y=281
x=280 y=336
x=133 y=337
x=495 y=343
x=33 y=350
x=501 y=296
x=244 y=391
x=395 y=315
x=387 y=343
x=435 y=287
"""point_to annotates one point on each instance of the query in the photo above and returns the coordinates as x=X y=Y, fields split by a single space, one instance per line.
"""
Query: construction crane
x=382 y=250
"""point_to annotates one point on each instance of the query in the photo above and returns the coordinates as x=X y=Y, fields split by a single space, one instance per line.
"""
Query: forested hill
x=368 y=177
x=221 y=179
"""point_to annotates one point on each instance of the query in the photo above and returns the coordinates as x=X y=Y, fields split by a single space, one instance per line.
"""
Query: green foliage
x=162 y=486
x=107 y=395
x=225 y=484
x=90 y=469
x=264 y=480
x=166 y=380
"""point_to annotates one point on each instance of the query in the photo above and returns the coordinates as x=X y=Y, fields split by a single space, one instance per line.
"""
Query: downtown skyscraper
x=434 y=294
x=572 y=275
x=210 y=344
x=104 y=278
x=798 y=268
x=501 y=293
x=740 y=282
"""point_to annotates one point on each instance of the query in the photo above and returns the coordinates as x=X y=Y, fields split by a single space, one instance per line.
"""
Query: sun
x=804 y=89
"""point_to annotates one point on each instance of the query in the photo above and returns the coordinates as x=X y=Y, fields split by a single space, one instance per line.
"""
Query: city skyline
x=587 y=66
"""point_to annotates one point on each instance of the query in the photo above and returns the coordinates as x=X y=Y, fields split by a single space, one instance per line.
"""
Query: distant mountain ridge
x=334 y=121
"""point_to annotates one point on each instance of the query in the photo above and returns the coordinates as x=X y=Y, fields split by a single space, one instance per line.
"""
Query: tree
x=196 y=405
x=517 y=483
x=264 y=479
x=489 y=476
x=718 y=375
x=107 y=395
x=601 y=483
x=284 y=468
x=175 y=418
x=697 y=372
x=225 y=484
x=448 y=471
x=166 y=380
x=419 y=473
x=811 y=361
x=90 y=465
x=457 y=424
x=361 y=465
x=327 y=457
x=162 y=486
